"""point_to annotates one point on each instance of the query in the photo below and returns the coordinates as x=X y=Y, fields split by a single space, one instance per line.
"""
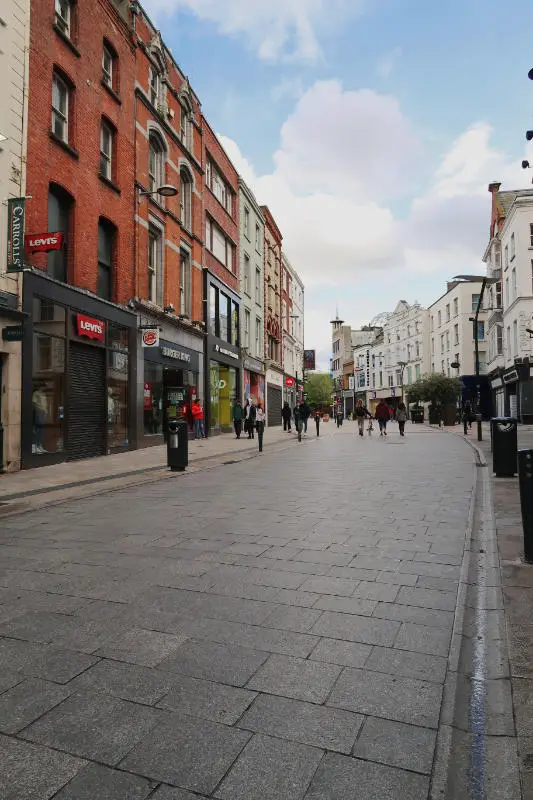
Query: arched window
x=156 y=162
x=186 y=198
x=185 y=121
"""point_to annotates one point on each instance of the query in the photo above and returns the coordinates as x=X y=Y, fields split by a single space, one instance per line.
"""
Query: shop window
x=60 y=205
x=234 y=323
x=106 y=241
x=117 y=387
x=213 y=314
x=224 y=314
x=156 y=163
x=61 y=108
x=153 y=399
x=48 y=317
x=223 y=387
x=107 y=150
x=155 y=265
x=185 y=282
x=186 y=198
x=48 y=387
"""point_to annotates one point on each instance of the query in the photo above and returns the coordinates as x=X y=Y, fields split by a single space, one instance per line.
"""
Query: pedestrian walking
x=383 y=416
x=298 y=422
x=197 y=411
x=305 y=412
x=237 y=418
x=401 y=417
x=317 y=421
x=286 y=414
x=249 y=419
x=361 y=413
x=468 y=416
x=260 y=425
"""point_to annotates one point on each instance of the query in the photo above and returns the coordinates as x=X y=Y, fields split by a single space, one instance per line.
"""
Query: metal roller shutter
x=274 y=402
x=86 y=430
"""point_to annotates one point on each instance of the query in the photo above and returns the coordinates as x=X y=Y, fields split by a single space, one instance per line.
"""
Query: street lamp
x=402 y=365
x=166 y=190
x=474 y=321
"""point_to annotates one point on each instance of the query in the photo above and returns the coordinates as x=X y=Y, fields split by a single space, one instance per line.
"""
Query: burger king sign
x=150 y=337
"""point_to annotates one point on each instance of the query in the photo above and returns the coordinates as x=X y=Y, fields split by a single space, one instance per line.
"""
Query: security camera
x=169 y=309
x=132 y=304
x=530 y=74
x=525 y=164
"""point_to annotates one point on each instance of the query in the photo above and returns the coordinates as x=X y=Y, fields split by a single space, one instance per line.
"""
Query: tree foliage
x=435 y=388
x=319 y=387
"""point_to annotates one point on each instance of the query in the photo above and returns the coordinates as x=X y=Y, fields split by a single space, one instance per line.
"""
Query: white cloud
x=343 y=158
x=388 y=63
x=276 y=29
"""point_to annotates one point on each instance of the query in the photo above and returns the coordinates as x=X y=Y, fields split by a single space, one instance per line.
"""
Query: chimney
x=494 y=187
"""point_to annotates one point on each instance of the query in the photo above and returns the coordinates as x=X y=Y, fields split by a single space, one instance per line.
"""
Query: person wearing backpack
x=401 y=417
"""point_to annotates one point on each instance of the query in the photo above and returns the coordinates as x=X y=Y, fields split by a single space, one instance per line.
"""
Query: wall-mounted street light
x=166 y=190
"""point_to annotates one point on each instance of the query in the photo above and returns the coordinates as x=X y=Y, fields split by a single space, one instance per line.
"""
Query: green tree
x=319 y=388
x=435 y=388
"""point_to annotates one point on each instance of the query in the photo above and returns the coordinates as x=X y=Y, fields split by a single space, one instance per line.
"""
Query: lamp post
x=166 y=190
x=474 y=320
x=402 y=365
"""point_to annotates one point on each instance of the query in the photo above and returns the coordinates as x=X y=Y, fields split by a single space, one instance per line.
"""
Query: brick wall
x=76 y=170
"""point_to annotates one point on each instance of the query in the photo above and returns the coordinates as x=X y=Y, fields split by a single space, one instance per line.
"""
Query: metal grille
x=274 y=400
x=86 y=431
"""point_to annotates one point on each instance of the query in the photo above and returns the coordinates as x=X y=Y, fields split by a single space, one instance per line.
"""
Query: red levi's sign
x=43 y=242
x=92 y=328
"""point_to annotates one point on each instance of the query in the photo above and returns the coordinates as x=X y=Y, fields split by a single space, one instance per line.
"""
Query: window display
x=48 y=392
x=223 y=385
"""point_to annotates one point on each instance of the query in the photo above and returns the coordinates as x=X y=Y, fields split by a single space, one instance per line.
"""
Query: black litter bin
x=177 y=445
x=504 y=446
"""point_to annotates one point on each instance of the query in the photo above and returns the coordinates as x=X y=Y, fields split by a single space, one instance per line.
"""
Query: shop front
x=170 y=386
x=498 y=397
x=290 y=391
x=78 y=374
x=518 y=385
x=12 y=332
x=253 y=381
x=274 y=396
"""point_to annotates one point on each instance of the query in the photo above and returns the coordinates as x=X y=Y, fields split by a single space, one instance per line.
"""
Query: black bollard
x=525 y=479
x=317 y=422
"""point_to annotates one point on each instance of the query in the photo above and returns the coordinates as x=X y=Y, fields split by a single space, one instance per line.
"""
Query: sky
x=371 y=129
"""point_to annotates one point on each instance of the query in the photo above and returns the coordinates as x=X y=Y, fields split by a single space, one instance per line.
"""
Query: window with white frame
x=456 y=334
x=515 y=338
x=186 y=198
x=442 y=343
x=509 y=340
x=219 y=245
x=432 y=345
x=258 y=349
x=531 y=234
x=513 y=283
x=220 y=188
x=246 y=275
x=499 y=340
x=447 y=341
x=258 y=237
x=155 y=265
x=63 y=13
x=532 y=277
x=185 y=282
x=418 y=349
x=507 y=298
x=447 y=312
x=513 y=247
x=475 y=302
x=258 y=287
x=60 y=108
x=456 y=307
x=185 y=125
x=246 y=342
x=247 y=222
x=439 y=318
x=156 y=162
x=107 y=135
x=108 y=67
x=155 y=86
x=506 y=256
x=391 y=380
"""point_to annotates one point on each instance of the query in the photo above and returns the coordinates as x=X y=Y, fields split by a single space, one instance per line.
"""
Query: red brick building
x=169 y=234
x=78 y=385
x=273 y=320
x=221 y=282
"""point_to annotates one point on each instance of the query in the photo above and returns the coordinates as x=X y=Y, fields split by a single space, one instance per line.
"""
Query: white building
x=452 y=337
x=292 y=313
x=399 y=356
x=14 y=47
x=251 y=239
x=509 y=260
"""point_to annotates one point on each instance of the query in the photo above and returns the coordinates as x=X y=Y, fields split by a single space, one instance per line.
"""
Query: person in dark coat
x=382 y=415
x=237 y=418
x=286 y=414
x=249 y=419
x=305 y=412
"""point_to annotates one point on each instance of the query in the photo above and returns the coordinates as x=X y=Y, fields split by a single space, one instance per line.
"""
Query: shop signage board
x=89 y=327
x=43 y=242
x=13 y=333
x=289 y=381
x=226 y=352
x=150 y=337
x=16 y=209
x=309 y=359
x=178 y=355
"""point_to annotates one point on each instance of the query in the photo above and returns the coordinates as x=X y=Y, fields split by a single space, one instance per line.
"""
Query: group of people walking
x=252 y=417
x=382 y=414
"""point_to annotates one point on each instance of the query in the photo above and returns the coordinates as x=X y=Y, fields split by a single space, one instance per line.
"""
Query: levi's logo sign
x=92 y=328
x=43 y=242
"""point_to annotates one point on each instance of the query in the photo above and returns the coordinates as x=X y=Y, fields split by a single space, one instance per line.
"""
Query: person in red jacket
x=197 y=411
x=382 y=414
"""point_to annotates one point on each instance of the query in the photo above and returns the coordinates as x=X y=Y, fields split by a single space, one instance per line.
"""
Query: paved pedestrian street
x=275 y=629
